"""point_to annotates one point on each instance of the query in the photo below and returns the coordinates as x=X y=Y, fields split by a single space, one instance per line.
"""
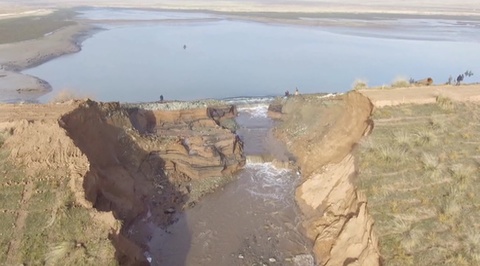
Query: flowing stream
x=252 y=221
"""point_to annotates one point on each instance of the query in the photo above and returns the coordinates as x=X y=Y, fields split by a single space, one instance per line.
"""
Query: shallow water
x=227 y=58
x=251 y=221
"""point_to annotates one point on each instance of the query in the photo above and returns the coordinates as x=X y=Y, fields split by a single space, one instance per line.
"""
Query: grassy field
x=26 y=28
x=40 y=222
x=420 y=171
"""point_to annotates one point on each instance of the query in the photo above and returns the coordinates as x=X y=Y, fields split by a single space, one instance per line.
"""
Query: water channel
x=252 y=221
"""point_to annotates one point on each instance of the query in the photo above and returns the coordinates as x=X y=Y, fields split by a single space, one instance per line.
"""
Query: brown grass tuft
x=400 y=82
x=445 y=103
x=360 y=84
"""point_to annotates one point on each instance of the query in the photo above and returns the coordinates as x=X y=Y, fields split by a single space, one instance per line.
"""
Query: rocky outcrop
x=321 y=132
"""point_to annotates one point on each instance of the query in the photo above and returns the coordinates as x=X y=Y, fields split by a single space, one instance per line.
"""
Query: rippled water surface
x=189 y=56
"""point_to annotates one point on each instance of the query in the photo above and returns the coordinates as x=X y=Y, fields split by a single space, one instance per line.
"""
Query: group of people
x=459 y=79
x=287 y=93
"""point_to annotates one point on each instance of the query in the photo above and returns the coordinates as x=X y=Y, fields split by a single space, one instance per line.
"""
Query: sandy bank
x=15 y=57
x=15 y=87
x=22 y=55
x=12 y=12
x=321 y=132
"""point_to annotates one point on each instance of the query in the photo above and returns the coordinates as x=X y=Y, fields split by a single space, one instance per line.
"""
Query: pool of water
x=196 y=56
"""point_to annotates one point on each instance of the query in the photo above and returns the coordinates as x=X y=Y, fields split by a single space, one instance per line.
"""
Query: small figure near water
x=161 y=98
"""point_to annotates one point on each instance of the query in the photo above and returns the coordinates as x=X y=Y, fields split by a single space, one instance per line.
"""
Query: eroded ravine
x=252 y=220
x=132 y=165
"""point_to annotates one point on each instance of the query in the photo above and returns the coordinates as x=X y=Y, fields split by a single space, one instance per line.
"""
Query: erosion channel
x=251 y=221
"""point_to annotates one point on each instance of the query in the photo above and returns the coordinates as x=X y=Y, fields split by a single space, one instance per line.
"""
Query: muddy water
x=251 y=221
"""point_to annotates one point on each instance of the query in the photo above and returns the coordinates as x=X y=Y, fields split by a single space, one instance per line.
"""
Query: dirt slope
x=321 y=132
x=93 y=173
x=51 y=180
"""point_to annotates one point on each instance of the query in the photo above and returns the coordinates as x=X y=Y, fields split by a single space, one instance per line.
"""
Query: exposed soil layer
x=251 y=221
x=122 y=163
x=321 y=132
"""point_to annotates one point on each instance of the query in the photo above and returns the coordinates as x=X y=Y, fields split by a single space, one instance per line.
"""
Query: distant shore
x=15 y=57
x=426 y=7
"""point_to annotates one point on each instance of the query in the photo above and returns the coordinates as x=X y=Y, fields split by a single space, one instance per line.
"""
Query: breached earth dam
x=251 y=221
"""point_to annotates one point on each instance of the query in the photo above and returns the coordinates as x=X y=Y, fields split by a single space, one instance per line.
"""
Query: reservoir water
x=186 y=56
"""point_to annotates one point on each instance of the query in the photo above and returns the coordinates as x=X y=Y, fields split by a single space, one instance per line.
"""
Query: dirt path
x=422 y=94
x=14 y=247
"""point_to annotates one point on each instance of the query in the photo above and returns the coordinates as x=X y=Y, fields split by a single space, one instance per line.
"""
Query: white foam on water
x=256 y=107
x=242 y=101
x=256 y=111
x=272 y=183
x=329 y=95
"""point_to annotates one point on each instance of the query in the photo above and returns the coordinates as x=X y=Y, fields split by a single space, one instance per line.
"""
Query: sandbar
x=15 y=57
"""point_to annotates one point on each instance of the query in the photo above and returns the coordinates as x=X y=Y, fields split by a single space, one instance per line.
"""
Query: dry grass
x=400 y=82
x=424 y=137
x=420 y=170
x=445 y=103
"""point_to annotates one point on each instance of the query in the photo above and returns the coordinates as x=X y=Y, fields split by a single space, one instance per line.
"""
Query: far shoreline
x=19 y=56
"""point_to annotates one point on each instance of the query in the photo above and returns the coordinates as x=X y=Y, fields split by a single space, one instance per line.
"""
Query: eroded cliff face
x=322 y=132
x=201 y=147
x=123 y=164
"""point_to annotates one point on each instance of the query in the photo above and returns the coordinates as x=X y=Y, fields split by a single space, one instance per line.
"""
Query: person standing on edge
x=296 y=91
x=161 y=98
